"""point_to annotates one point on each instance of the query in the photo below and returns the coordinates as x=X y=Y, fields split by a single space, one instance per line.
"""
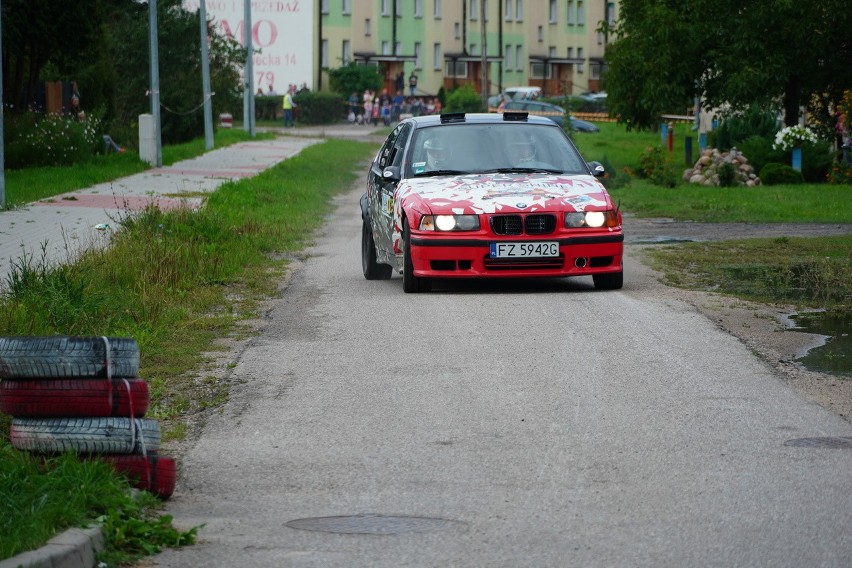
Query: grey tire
x=64 y=357
x=372 y=269
x=108 y=435
x=610 y=281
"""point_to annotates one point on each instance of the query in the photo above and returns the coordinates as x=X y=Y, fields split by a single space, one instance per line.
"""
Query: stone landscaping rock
x=706 y=169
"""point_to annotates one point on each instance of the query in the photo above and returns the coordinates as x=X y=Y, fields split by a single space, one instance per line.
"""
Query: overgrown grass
x=32 y=184
x=808 y=272
x=175 y=282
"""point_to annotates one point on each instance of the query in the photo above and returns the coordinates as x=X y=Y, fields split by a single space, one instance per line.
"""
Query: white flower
x=792 y=136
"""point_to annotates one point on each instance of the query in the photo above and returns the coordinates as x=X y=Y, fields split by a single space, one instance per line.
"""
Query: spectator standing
x=400 y=81
x=397 y=104
x=368 y=111
x=412 y=83
x=288 y=105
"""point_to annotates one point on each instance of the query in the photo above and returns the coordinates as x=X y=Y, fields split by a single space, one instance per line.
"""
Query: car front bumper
x=448 y=257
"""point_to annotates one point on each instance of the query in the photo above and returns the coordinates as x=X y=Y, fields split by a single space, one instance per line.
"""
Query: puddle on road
x=835 y=356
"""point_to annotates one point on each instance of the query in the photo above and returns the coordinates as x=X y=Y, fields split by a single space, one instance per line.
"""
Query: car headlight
x=449 y=223
x=593 y=219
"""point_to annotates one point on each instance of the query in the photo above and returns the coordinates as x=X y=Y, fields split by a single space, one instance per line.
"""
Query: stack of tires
x=82 y=394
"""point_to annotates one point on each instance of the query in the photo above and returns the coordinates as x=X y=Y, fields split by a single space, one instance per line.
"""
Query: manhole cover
x=832 y=443
x=370 y=524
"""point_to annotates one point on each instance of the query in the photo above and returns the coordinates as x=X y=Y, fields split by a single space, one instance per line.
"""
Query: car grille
x=523 y=224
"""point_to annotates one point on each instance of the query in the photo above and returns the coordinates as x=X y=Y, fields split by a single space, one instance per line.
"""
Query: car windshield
x=504 y=147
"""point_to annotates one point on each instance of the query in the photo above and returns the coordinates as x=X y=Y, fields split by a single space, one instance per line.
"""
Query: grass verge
x=175 y=282
x=32 y=184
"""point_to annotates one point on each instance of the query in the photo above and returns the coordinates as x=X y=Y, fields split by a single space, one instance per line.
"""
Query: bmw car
x=487 y=196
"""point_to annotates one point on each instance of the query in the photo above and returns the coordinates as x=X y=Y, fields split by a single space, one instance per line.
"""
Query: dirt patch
x=761 y=327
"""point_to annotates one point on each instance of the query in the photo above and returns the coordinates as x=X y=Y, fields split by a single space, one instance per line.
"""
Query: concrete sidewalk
x=58 y=229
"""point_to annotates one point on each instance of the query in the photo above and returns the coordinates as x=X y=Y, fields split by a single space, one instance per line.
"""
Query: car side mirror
x=391 y=174
x=597 y=169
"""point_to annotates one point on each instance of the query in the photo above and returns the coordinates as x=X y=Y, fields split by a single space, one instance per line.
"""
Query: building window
x=580 y=56
x=398 y=8
x=581 y=13
x=324 y=7
x=539 y=70
x=436 y=10
x=385 y=7
x=418 y=63
x=519 y=57
x=457 y=30
x=324 y=54
x=519 y=10
x=386 y=48
x=347 y=7
x=600 y=38
x=540 y=34
x=508 y=64
x=456 y=69
x=397 y=48
x=474 y=10
x=367 y=27
x=418 y=8
x=436 y=56
x=507 y=11
x=474 y=49
x=552 y=12
x=570 y=53
x=346 y=52
x=571 y=13
x=484 y=10
x=610 y=13
x=594 y=70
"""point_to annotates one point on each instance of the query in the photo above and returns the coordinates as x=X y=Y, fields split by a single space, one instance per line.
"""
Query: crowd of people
x=372 y=109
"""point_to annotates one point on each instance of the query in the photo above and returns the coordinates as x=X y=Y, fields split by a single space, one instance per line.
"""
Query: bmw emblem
x=521 y=205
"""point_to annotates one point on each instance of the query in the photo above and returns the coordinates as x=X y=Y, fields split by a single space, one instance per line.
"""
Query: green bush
x=320 y=108
x=816 y=161
x=759 y=152
x=727 y=175
x=732 y=130
x=777 y=174
x=36 y=140
x=464 y=99
x=354 y=78
x=657 y=165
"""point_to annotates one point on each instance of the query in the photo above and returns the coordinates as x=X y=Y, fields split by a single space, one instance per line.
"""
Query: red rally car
x=487 y=195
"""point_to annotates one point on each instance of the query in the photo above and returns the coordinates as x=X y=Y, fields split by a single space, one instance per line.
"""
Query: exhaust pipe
x=580 y=262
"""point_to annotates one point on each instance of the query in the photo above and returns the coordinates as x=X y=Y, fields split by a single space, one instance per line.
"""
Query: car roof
x=478 y=118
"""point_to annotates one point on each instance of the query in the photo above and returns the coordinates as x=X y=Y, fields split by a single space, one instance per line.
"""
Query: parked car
x=554 y=112
x=514 y=94
x=487 y=196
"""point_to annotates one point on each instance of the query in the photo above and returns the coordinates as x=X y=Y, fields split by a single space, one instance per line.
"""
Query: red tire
x=153 y=473
x=74 y=397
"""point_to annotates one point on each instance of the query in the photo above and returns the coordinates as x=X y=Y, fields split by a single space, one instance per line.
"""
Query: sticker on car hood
x=498 y=192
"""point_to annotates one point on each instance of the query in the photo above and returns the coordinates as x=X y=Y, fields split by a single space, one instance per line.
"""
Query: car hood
x=496 y=193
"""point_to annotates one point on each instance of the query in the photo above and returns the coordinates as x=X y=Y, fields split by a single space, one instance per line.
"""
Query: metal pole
x=2 y=147
x=248 y=120
x=205 y=79
x=155 y=79
x=484 y=59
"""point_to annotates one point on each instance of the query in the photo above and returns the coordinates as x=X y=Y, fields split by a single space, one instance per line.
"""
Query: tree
x=354 y=78
x=773 y=53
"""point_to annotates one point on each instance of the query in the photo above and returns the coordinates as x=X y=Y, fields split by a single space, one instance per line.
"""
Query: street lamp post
x=155 y=80
x=205 y=79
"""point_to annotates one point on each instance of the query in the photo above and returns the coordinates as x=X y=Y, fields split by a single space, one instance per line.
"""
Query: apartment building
x=554 y=44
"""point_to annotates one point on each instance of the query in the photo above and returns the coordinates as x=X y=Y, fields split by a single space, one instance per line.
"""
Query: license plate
x=524 y=250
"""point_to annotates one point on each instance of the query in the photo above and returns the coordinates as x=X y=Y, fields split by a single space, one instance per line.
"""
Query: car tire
x=411 y=284
x=372 y=269
x=609 y=281
x=110 y=435
x=61 y=356
x=74 y=397
x=152 y=473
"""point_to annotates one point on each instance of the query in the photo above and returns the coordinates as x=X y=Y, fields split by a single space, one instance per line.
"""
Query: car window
x=479 y=148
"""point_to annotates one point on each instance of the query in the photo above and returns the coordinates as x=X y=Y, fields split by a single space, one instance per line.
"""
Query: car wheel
x=372 y=269
x=610 y=281
x=410 y=282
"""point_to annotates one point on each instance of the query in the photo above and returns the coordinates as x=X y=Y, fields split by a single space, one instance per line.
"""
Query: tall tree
x=774 y=53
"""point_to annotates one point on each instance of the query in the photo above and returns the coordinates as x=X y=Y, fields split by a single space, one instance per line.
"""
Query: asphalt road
x=515 y=424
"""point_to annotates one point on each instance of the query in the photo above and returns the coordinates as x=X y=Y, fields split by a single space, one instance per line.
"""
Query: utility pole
x=155 y=80
x=248 y=107
x=484 y=60
x=2 y=147
x=205 y=79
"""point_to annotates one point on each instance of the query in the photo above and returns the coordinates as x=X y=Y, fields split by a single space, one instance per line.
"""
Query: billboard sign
x=282 y=30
